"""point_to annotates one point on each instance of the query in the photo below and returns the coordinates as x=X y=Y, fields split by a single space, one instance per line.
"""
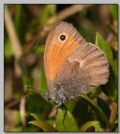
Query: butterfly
x=72 y=65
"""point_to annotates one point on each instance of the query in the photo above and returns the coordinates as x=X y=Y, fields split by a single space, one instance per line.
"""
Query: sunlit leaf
x=95 y=124
x=65 y=121
x=36 y=116
x=43 y=125
x=43 y=84
x=51 y=121
x=70 y=105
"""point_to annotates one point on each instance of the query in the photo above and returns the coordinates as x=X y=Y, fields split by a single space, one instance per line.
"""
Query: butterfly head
x=57 y=96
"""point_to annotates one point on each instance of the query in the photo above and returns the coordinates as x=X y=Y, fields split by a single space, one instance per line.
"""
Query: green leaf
x=16 y=129
x=20 y=21
x=43 y=125
x=8 y=49
x=95 y=124
x=51 y=121
x=35 y=103
x=98 y=110
x=111 y=88
x=48 y=11
x=115 y=68
x=43 y=87
x=105 y=47
x=114 y=11
x=39 y=49
x=35 y=116
x=81 y=109
x=20 y=128
x=65 y=121
x=70 y=105
x=28 y=83
x=104 y=106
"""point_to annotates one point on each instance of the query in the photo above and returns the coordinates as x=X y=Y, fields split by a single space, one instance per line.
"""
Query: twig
x=105 y=98
x=12 y=104
x=113 y=114
x=15 y=42
x=53 y=112
x=70 y=11
x=16 y=47
x=112 y=45
x=22 y=110
x=112 y=118
x=58 y=17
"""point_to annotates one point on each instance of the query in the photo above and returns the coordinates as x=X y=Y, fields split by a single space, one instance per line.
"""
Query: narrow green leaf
x=104 y=106
x=43 y=125
x=111 y=88
x=65 y=121
x=36 y=116
x=95 y=124
x=43 y=84
x=51 y=121
x=105 y=47
x=20 y=21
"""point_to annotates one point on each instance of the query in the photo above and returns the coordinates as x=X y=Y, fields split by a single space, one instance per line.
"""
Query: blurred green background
x=25 y=84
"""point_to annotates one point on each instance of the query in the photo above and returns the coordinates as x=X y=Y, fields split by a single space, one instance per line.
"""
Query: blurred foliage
x=114 y=11
x=97 y=24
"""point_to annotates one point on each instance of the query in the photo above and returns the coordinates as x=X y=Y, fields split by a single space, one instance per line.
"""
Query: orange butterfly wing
x=57 y=51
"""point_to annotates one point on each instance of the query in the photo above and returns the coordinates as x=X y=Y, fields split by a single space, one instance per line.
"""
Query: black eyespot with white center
x=62 y=37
